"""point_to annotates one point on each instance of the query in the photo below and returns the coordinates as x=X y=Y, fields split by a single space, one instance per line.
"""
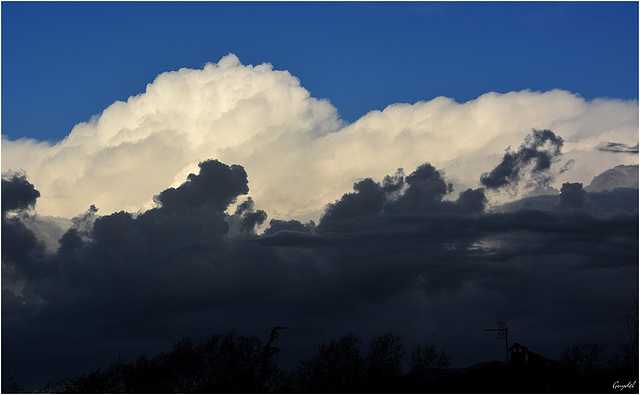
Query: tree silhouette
x=233 y=363
x=10 y=385
x=95 y=382
x=337 y=367
x=228 y=364
x=584 y=358
x=383 y=363
x=623 y=364
x=427 y=362
x=626 y=356
x=587 y=365
x=271 y=376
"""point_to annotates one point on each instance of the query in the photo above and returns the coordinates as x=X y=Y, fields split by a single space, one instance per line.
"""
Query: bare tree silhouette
x=337 y=367
x=383 y=363
x=428 y=362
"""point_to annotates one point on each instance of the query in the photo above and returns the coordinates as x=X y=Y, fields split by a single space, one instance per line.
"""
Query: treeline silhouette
x=233 y=363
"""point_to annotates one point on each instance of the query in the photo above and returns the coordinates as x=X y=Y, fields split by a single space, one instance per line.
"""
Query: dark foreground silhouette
x=233 y=363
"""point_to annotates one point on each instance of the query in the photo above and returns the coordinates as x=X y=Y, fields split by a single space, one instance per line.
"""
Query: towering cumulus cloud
x=299 y=153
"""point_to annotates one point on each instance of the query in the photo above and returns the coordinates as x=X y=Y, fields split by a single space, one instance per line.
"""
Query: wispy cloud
x=619 y=148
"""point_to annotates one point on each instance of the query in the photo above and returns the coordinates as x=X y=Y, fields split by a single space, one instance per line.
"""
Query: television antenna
x=503 y=333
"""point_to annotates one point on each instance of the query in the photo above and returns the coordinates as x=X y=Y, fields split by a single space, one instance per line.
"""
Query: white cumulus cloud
x=298 y=153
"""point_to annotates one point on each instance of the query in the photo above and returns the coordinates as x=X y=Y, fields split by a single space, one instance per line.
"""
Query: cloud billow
x=18 y=193
x=572 y=195
x=533 y=158
x=421 y=192
x=216 y=186
x=299 y=153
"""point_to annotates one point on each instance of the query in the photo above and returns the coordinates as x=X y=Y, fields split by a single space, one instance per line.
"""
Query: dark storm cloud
x=523 y=265
x=424 y=193
x=534 y=158
x=276 y=225
x=368 y=199
x=421 y=192
x=625 y=199
x=572 y=195
x=135 y=263
x=438 y=246
x=21 y=250
x=249 y=217
x=216 y=186
x=391 y=255
x=619 y=148
x=17 y=193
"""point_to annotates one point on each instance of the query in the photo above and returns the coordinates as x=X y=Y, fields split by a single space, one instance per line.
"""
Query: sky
x=64 y=62
x=182 y=169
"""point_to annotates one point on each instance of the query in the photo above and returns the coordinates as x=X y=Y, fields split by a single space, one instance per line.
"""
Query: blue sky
x=64 y=62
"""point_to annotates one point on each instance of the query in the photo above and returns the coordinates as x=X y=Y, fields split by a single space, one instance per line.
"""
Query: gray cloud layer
x=393 y=255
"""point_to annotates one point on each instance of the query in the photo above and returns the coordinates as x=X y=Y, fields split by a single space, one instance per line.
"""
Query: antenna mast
x=503 y=332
